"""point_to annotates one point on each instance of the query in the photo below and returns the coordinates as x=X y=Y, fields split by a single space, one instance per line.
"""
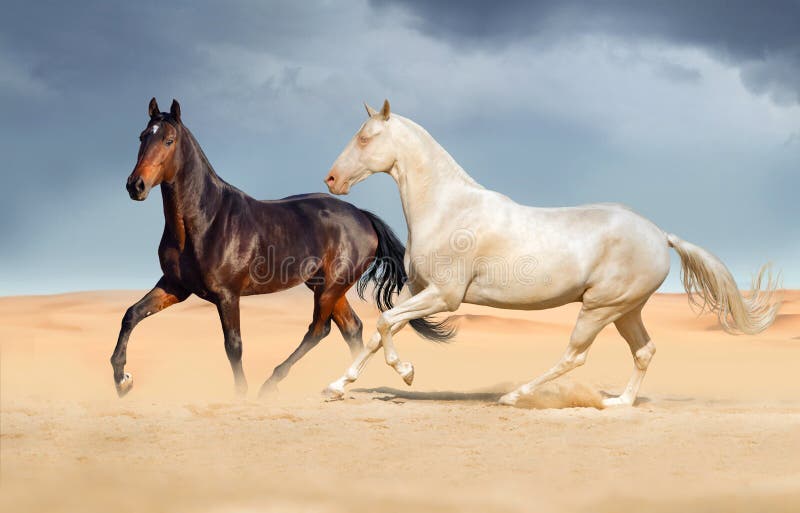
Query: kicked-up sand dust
x=717 y=426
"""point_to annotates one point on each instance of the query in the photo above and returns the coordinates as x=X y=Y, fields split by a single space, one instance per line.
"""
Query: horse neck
x=191 y=200
x=427 y=176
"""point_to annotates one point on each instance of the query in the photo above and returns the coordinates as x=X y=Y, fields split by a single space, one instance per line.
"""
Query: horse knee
x=644 y=354
x=383 y=326
x=574 y=359
x=374 y=342
x=233 y=347
x=130 y=319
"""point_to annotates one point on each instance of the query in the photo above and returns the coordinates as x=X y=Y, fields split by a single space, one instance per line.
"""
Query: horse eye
x=170 y=141
x=363 y=139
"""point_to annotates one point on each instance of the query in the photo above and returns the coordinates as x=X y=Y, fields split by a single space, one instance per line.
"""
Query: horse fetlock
x=124 y=385
x=509 y=399
x=334 y=391
x=118 y=363
x=351 y=375
x=240 y=386
x=279 y=373
x=392 y=360
x=622 y=400
x=270 y=386
x=406 y=371
x=643 y=356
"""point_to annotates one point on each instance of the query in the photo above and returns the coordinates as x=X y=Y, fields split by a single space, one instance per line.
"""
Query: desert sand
x=717 y=427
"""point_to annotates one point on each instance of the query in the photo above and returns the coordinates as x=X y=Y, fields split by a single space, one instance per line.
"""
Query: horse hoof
x=268 y=388
x=124 y=385
x=406 y=371
x=241 y=389
x=333 y=393
x=509 y=399
x=612 y=402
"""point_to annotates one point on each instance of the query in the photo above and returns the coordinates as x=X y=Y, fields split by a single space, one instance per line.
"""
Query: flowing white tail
x=710 y=285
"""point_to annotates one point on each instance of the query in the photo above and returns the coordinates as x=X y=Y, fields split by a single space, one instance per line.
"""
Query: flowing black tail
x=389 y=275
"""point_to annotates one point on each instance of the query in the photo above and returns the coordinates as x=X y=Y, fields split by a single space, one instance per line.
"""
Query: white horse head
x=371 y=150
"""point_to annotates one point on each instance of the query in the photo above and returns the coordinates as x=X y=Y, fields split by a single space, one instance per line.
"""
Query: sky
x=689 y=112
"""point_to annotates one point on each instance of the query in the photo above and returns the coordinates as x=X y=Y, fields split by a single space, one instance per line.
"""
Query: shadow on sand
x=551 y=395
x=390 y=394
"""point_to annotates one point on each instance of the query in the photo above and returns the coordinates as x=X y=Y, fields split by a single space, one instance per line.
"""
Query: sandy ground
x=717 y=427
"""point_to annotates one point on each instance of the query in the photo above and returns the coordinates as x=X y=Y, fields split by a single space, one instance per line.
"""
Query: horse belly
x=527 y=284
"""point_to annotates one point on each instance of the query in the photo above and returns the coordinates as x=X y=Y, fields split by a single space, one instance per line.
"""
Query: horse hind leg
x=588 y=325
x=349 y=325
x=318 y=329
x=632 y=329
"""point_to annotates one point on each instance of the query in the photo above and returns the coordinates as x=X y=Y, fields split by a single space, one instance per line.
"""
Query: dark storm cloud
x=761 y=38
x=94 y=44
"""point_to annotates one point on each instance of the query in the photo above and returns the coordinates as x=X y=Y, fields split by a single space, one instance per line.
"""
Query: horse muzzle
x=137 y=188
x=335 y=185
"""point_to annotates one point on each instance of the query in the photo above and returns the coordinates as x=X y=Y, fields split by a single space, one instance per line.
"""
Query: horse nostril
x=330 y=180
x=139 y=185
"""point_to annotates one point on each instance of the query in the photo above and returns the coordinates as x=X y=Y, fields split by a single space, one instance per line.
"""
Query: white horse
x=605 y=256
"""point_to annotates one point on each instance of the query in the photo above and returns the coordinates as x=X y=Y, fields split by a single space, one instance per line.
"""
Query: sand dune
x=717 y=428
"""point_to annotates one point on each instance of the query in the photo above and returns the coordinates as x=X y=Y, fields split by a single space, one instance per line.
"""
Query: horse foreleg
x=335 y=390
x=349 y=325
x=228 y=308
x=427 y=302
x=164 y=294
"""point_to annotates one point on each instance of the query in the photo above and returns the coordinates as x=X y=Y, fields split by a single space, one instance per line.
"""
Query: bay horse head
x=158 y=159
x=370 y=151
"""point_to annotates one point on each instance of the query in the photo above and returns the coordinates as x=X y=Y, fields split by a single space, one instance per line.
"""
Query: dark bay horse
x=220 y=244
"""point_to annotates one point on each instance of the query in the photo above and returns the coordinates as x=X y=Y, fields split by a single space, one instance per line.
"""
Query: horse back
x=313 y=228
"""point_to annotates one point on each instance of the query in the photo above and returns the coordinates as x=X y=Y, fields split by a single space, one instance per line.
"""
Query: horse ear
x=153 y=109
x=385 y=111
x=175 y=110
x=370 y=111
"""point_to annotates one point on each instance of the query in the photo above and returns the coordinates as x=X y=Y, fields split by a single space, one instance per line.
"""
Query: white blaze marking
x=155 y=128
